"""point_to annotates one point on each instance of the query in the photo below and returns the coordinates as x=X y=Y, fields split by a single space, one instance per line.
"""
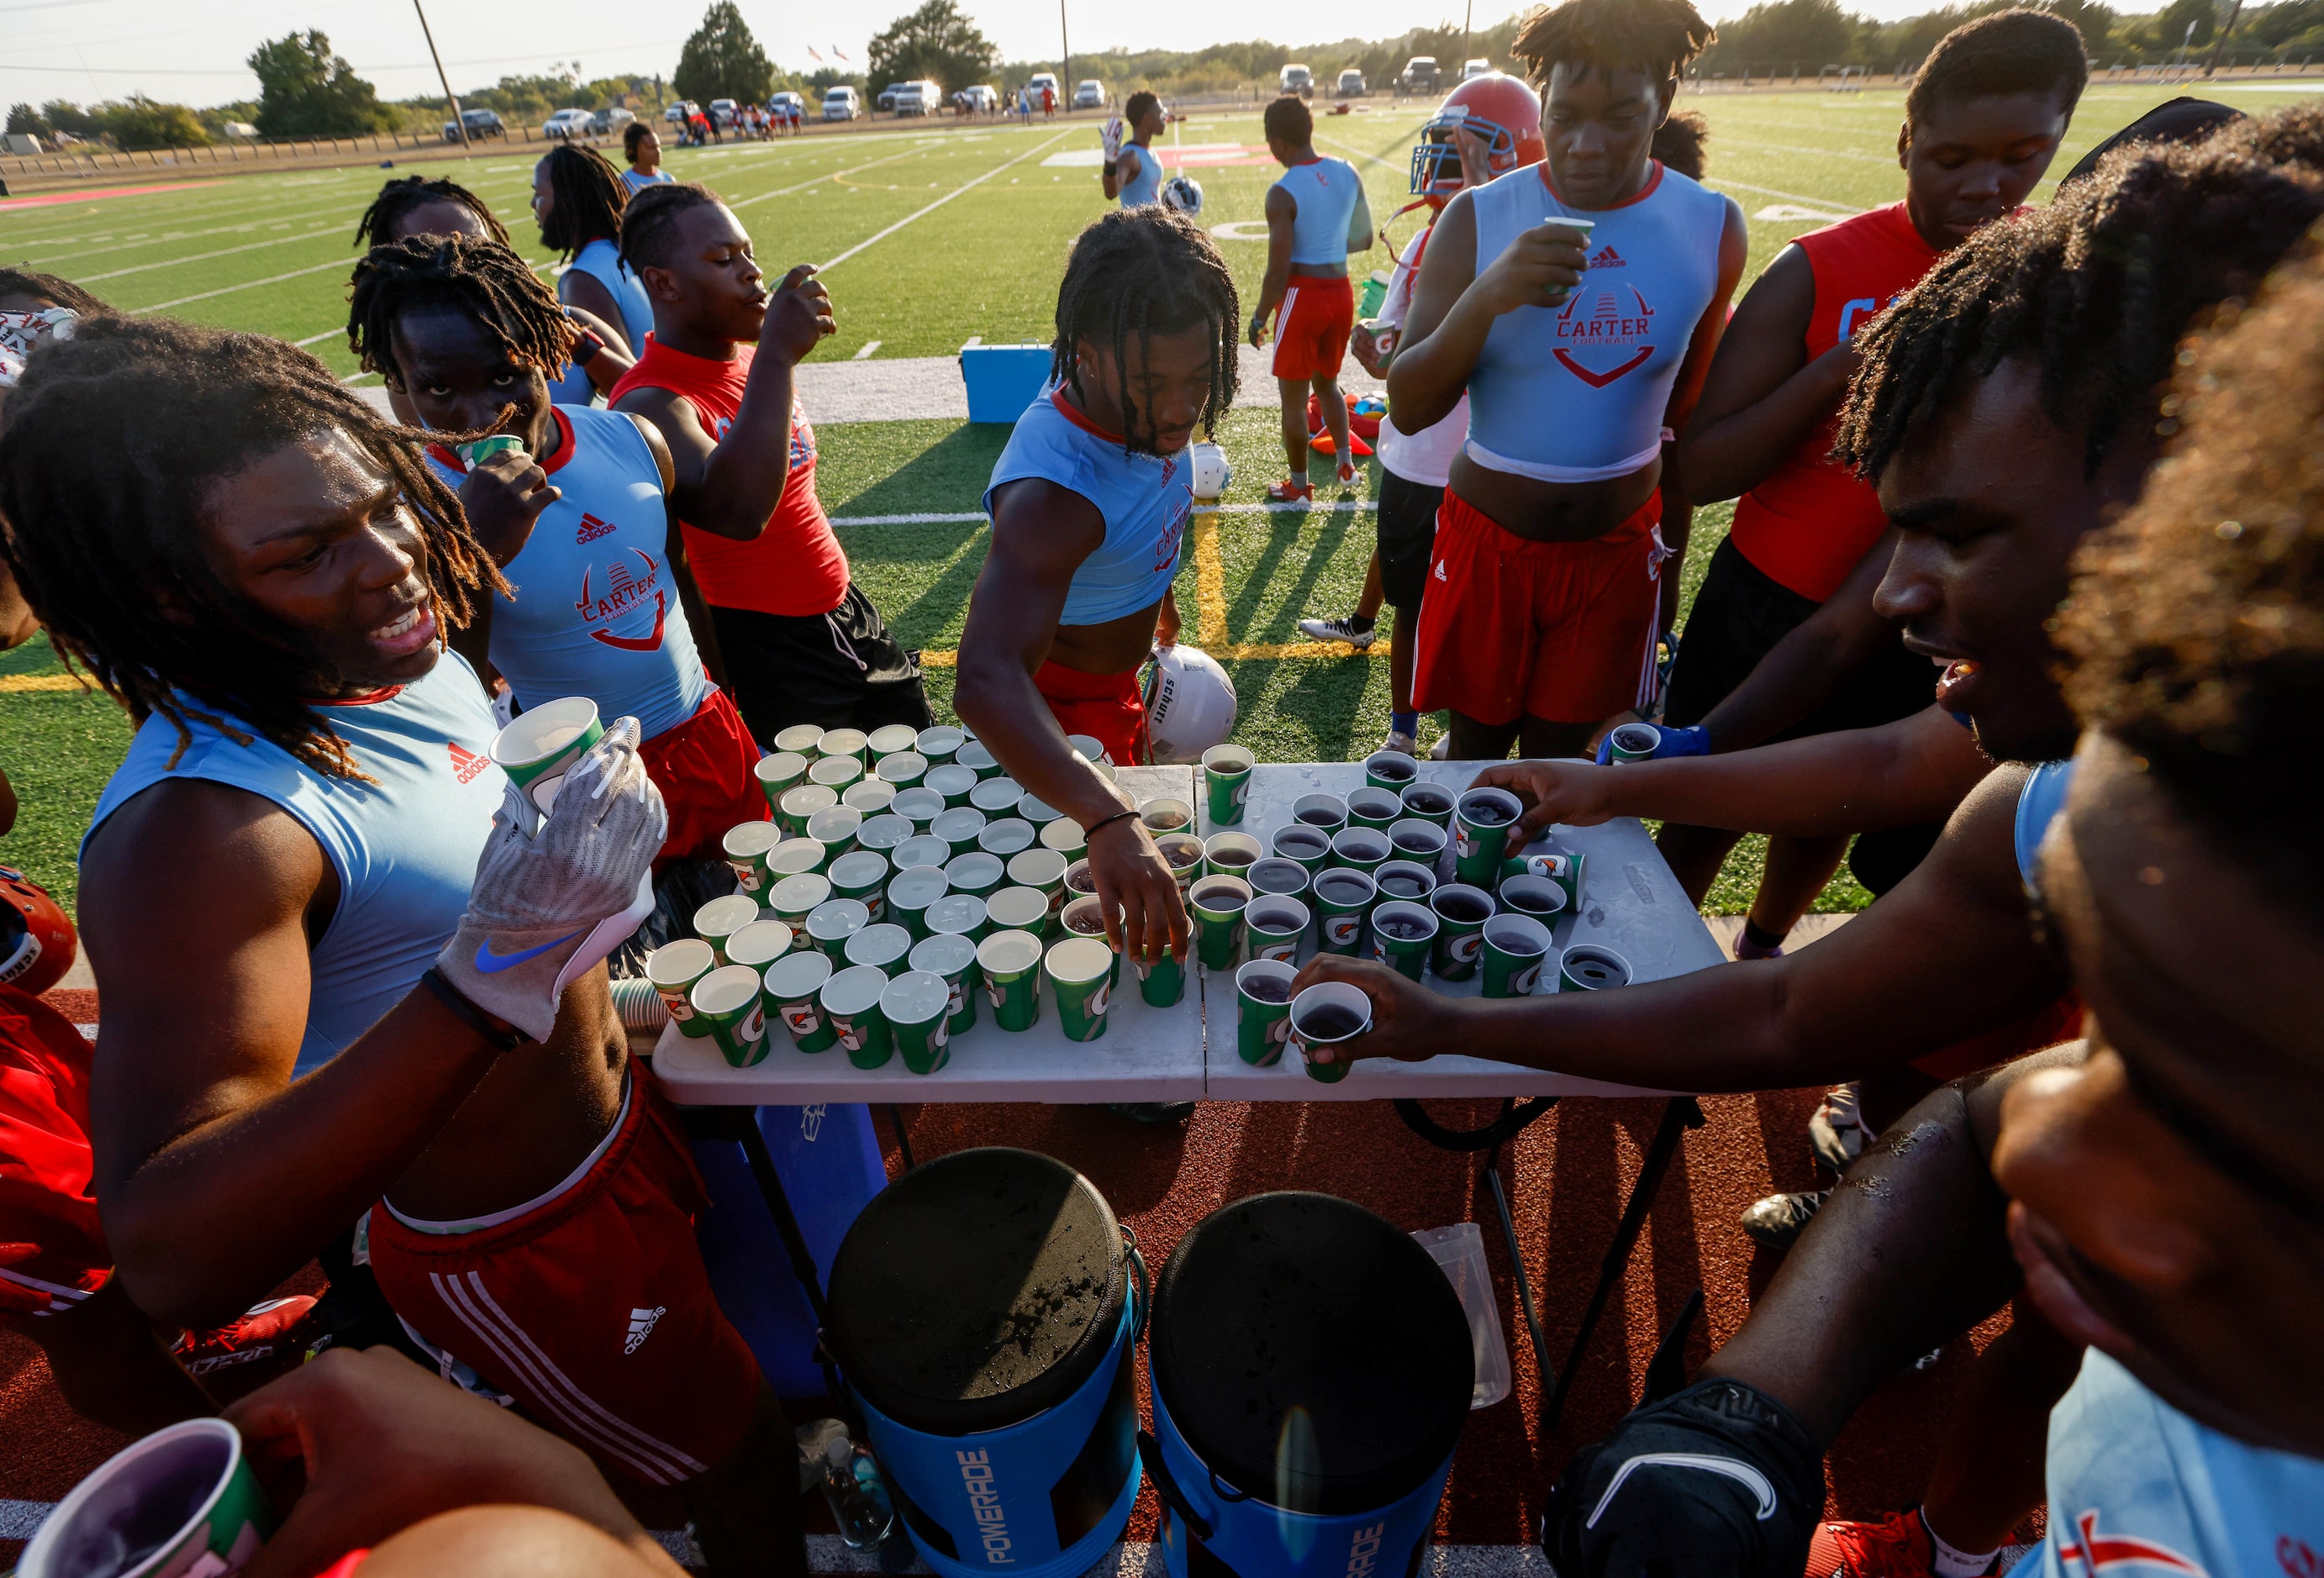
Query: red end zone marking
x=50 y=199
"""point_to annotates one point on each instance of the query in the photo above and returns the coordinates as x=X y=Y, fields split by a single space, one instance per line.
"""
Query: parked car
x=721 y=112
x=683 y=111
x=842 y=103
x=920 y=97
x=1420 y=75
x=787 y=103
x=480 y=124
x=1351 y=83
x=1298 y=79
x=886 y=100
x=565 y=125
x=1479 y=67
x=1043 y=79
x=982 y=97
x=609 y=121
x=1090 y=94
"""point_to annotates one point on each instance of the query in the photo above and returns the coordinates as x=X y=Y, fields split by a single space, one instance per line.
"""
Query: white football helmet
x=1189 y=703
x=1212 y=474
x=1182 y=194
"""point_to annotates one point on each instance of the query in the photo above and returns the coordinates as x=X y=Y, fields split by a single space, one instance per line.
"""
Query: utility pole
x=2220 y=43
x=1467 y=14
x=458 y=119
x=1065 y=65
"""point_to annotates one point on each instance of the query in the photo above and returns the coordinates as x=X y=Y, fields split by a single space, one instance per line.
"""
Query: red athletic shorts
x=592 y=1308
x=2046 y=1026
x=703 y=769
x=52 y=1252
x=1312 y=325
x=1563 y=632
x=1107 y=707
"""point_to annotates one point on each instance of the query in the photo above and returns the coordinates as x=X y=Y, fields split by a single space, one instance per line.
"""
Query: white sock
x=1950 y=1561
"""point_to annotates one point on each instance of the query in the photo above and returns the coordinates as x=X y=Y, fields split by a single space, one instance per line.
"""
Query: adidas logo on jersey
x=641 y=1325
x=465 y=764
x=592 y=528
x=1607 y=258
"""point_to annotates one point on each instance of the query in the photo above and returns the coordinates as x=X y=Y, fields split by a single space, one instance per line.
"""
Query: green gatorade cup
x=1328 y=1015
x=1044 y=869
x=1516 y=946
x=1230 y=855
x=1342 y=898
x=951 y=958
x=1327 y=814
x=1358 y=849
x=831 y=923
x=1374 y=808
x=746 y=844
x=918 y=1007
x=1226 y=784
x=861 y=876
x=673 y=969
x=1166 y=816
x=905 y=769
x=1080 y=971
x=921 y=849
x=910 y=891
x=1162 y=984
x=1276 y=875
x=777 y=771
x=1086 y=917
x=892 y=740
x=794 y=898
x=837 y=828
x=800 y=802
x=477 y=451
x=1402 y=934
x=1278 y=925
x=721 y=918
x=1006 y=836
x=805 y=740
x=1635 y=742
x=995 y=796
x=851 y=1001
x=1066 y=835
x=973 y=756
x=1408 y=880
x=1311 y=846
x=1039 y=812
x=958 y=827
x=959 y=915
x=882 y=833
x=1587 y=968
x=1461 y=912
x=851 y=743
x=1263 y=1011
x=789 y=988
x=759 y=944
x=1481 y=822
x=1018 y=909
x=834 y=772
x=953 y=782
x=921 y=803
x=1182 y=853
x=872 y=796
x=1536 y=896
x=881 y=945
x=727 y=1001
x=980 y=874
x=1390 y=770
x=539 y=748
x=1011 y=963
x=1219 y=903
x=1428 y=803
x=939 y=742
x=182 y=1500
x=793 y=857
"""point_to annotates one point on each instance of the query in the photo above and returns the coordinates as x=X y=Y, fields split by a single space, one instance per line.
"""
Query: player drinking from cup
x=797 y=640
x=1089 y=504
x=334 y=978
x=1576 y=351
x=1132 y=170
x=578 y=520
x=1982 y=120
x=1317 y=215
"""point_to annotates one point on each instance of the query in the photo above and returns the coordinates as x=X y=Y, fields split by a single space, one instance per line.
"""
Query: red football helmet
x=37 y=940
x=1497 y=106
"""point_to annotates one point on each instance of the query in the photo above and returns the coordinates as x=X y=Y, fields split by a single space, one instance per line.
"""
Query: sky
x=90 y=50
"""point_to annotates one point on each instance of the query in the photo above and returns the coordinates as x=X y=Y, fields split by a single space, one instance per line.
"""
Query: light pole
x=1066 y=64
x=1468 y=12
x=458 y=119
x=2211 y=69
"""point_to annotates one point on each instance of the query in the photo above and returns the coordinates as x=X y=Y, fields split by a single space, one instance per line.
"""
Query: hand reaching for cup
x=1409 y=1022
x=1573 y=792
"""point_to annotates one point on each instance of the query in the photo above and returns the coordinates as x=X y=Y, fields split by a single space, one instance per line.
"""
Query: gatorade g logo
x=848 y=1035
x=996 y=991
x=1363 y=1553
x=1341 y=929
x=958 y=999
x=1100 y=998
x=754 y=1025
x=1464 y=948
x=1521 y=984
x=801 y=1019
x=942 y=1034
x=984 y=1506
x=746 y=876
x=876 y=905
x=1242 y=790
x=1465 y=845
x=680 y=1008
x=1282 y=952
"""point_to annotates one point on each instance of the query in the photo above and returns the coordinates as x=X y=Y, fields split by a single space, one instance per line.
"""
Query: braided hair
x=585 y=196
x=113 y=441
x=402 y=194
x=1146 y=271
x=49 y=288
x=649 y=223
x=1660 y=38
x=2096 y=290
x=483 y=279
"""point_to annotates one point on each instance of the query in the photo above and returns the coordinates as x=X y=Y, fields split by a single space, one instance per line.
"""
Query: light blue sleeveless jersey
x=1145 y=186
x=404 y=846
x=1326 y=191
x=596 y=613
x=2139 y=1489
x=2041 y=802
x=1577 y=393
x=638 y=183
x=1145 y=499
x=601 y=262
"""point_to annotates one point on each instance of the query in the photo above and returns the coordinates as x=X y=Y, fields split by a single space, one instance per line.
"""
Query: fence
x=2234 y=65
x=85 y=161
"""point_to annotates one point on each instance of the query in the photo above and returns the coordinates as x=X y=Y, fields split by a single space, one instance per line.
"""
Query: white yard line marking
x=1721 y=181
x=864 y=354
x=963 y=517
x=870 y=240
x=223 y=251
x=346 y=263
x=787 y=191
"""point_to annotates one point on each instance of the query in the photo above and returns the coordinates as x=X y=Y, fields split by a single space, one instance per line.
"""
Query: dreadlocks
x=50 y=289
x=2095 y=290
x=585 y=195
x=399 y=197
x=1146 y=271
x=113 y=442
x=2196 y=629
x=483 y=279
x=1658 y=37
x=649 y=223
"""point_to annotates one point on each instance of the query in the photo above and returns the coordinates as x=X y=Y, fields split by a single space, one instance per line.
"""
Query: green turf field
x=934 y=234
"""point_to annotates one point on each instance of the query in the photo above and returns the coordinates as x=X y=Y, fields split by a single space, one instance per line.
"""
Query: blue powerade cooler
x=1312 y=1372
x=983 y=1309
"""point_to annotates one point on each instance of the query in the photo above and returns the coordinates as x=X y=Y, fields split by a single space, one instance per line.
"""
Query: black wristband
x=1104 y=822
x=585 y=348
x=508 y=1039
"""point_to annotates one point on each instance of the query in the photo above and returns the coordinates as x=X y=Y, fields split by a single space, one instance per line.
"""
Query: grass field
x=930 y=236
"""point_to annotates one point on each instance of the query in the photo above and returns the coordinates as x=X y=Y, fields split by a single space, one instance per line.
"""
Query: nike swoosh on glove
x=1720 y=1481
x=1694 y=741
x=537 y=898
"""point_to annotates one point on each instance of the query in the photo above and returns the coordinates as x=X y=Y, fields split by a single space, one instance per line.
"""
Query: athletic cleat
x=266 y=1335
x=1343 y=628
x=1895 y=1546
x=1290 y=492
x=1836 y=1131
x=1777 y=1221
x=1348 y=474
x=1442 y=750
x=1401 y=742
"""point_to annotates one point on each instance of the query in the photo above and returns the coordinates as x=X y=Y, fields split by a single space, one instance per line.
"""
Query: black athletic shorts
x=1408 y=536
x=1738 y=617
x=839 y=670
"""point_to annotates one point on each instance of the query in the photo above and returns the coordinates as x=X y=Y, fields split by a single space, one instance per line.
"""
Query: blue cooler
x=983 y=1309
x=1312 y=1372
x=1002 y=380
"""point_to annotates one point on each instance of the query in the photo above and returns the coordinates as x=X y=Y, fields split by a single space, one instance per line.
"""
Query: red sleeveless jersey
x=1808 y=525
x=796 y=567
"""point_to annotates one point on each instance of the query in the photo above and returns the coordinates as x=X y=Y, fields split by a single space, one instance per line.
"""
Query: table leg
x=1547 y=1377
x=903 y=1141
x=1680 y=1113
x=742 y=1123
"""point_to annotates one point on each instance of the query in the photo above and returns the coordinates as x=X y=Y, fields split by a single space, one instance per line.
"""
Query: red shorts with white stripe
x=1312 y=325
x=1563 y=632
x=592 y=1307
x=703 y=769
x=52 y=1252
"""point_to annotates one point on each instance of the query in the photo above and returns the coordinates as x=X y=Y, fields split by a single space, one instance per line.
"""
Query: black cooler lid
x=1307 y=1301
x=977 y=1290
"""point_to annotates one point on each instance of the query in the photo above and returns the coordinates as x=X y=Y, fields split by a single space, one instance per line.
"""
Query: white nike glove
x=548 y=906
x=1111 y=137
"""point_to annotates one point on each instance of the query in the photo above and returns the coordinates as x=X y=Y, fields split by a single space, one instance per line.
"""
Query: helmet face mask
x=1182 y=194
x=1496 y=106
